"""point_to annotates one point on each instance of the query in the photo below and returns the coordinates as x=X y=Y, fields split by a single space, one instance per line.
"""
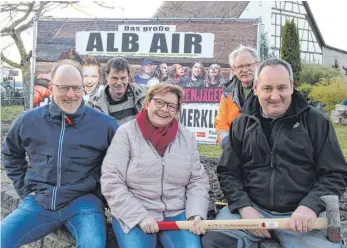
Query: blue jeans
x=288 y=239
x=136 y=238
x=84 y=217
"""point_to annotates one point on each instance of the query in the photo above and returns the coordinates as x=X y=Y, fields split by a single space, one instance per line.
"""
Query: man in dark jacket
x=282 y=156
x=60 y=183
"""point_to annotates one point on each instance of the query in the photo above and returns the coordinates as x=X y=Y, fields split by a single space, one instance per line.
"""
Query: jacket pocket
x=42 y=162
x=81 y=163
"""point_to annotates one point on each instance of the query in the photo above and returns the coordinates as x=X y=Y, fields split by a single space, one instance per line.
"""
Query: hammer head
x=333 y=217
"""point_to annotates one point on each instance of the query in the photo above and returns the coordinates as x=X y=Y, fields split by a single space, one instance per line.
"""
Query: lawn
x=11 y=112
x=216 y=151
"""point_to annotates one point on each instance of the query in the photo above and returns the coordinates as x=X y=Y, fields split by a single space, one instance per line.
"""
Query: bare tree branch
x=20 y=20
x=103 y=4
x=9 y=62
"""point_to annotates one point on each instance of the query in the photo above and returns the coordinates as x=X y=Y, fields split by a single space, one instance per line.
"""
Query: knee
x=215 y=239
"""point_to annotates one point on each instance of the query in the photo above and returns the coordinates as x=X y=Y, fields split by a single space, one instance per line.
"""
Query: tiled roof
x=202 y=9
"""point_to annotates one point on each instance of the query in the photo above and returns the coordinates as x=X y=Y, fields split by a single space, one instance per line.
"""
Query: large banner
x=191 y=54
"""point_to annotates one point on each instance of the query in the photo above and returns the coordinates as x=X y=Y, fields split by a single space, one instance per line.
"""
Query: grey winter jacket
x=100 y=102
x=136 y=181
x=65 y=159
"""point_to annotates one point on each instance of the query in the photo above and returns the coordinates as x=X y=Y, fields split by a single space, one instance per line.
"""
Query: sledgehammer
x=331 y=222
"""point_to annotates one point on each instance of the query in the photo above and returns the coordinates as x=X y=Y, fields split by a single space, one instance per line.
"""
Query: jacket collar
x=57 y=113
x=299 y=104
x=233 y=87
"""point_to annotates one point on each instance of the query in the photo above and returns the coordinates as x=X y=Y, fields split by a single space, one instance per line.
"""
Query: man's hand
x=302 y=219
x=251 y=213
x=196 y=228
x=149 y=225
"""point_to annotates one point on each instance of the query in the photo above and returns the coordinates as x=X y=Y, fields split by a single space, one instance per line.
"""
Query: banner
x=193 y=54
x=172 y=44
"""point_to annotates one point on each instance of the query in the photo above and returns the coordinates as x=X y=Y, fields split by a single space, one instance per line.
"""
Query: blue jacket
x=64 y=160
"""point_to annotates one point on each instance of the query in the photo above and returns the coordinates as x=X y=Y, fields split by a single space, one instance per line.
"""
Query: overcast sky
x=331 y=17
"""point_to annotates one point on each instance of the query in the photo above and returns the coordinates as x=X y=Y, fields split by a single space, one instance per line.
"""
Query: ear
x=256 y=87
x=292 y=85
x=50 y=88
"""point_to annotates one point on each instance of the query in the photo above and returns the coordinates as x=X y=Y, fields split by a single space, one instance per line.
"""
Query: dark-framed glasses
x=65 y=88
x=161 y=103
x=246 y=66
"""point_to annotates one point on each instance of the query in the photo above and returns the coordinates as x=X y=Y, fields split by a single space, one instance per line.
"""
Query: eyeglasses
x=161 y=103
x=65 y=88
x=246 y=66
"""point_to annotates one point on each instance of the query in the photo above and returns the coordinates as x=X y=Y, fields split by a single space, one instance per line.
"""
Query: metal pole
x=33 y=64
x=259 y=28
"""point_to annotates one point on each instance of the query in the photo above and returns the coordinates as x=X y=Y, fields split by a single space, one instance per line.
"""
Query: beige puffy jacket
x=136 y=181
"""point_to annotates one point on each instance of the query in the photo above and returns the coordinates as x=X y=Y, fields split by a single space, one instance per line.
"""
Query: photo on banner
x=192 y=54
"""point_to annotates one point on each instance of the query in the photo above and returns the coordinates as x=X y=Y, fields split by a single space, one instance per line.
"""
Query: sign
x=199 y=119
x=171 y=44
x=147 y=28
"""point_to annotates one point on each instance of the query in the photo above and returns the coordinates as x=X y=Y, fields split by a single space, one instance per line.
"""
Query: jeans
x=83 y=217
x=136 y=238
x=288 y=239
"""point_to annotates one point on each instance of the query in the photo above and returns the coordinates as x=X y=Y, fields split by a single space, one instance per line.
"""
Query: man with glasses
x=243 y=62
x=119 y=98
x=65 y=143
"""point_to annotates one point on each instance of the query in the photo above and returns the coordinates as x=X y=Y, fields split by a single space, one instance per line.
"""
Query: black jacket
x=65 y=158
x=305 y=161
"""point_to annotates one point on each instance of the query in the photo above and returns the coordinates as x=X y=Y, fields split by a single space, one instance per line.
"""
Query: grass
x=216 y=151
x=9 y=113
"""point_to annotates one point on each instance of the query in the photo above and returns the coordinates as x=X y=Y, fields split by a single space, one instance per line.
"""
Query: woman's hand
x=196 y=228
x=149 y=225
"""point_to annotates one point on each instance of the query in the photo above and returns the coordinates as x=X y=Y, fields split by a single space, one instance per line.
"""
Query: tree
x=265 y=51
x=290 y=48
x=19 y=17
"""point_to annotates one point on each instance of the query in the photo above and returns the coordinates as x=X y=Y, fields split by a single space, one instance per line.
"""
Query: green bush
x=305 y=90
x=329 y=92
x=312 y=74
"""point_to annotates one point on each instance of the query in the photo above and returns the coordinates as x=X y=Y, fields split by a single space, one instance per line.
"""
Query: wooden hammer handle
x=247 y=224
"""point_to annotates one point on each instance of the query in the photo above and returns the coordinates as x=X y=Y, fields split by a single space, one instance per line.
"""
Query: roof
x=224 y=9
x=202 y=9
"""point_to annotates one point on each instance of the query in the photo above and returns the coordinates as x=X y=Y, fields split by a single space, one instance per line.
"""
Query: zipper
x=60 y=148
x=162 y=184
x=163 y=167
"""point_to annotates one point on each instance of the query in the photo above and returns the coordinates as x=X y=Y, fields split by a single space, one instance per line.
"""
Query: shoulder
x=128 y=128
x=100 y=117
x=139 y=89
x=185 y=135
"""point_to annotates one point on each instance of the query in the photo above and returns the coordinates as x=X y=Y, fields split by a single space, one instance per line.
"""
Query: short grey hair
x=274 y=62
x=241 y=49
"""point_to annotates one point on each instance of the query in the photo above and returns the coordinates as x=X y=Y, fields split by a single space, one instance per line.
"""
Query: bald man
x=66 y=143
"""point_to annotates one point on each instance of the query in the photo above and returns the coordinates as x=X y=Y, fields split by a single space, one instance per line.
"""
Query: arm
x=198 y=186
x=13 y=155
x=221 y=120
x=331 y=166
x=230 y=172
x=123 y=204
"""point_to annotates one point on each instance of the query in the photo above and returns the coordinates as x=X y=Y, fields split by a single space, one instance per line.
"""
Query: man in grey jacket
x=119 y=98
x=60 y=183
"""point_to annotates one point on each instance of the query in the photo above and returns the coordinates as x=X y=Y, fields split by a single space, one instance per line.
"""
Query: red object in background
x=200 y=134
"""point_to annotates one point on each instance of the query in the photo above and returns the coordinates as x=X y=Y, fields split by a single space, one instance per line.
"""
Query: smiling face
x=118 y=82
x=244 y=66
x=214 y=70
x=91 y=77
x=162 y=108
x=67 y=88
x=274 y=90
x=197 y=70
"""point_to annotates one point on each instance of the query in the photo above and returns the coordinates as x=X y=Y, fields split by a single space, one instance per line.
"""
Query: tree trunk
x=26 y=74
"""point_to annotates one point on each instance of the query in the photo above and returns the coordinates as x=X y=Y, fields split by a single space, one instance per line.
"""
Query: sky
x=331 y=18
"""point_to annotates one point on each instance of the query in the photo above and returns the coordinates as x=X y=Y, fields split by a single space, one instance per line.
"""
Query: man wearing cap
x=145 y=72
x=119 y=98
